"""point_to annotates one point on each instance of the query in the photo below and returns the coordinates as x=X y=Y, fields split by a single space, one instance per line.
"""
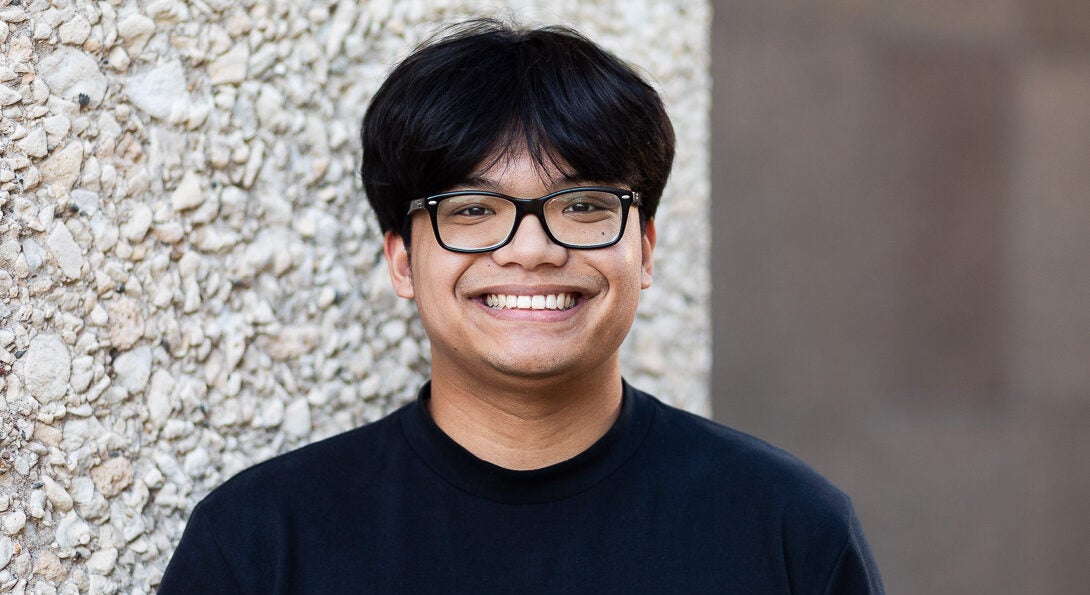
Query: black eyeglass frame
x=523 y=206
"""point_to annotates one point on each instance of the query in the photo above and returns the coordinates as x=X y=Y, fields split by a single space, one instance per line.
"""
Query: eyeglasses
x=479 y=221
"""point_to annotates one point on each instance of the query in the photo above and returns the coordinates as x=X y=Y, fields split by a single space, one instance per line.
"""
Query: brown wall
x=901 y=266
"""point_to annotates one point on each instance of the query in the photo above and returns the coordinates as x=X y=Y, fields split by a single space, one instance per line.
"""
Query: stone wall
x=190 y=281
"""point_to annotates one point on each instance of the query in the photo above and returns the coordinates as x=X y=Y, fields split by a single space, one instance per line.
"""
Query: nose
x=530 y=247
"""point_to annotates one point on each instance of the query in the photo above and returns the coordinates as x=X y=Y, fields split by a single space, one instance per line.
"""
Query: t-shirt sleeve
x=198 y=565
x=855 y=571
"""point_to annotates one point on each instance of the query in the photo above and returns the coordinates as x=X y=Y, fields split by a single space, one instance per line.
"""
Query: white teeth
x=558 y=301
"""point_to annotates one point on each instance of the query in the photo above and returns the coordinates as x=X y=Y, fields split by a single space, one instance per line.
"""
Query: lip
x=513 y=289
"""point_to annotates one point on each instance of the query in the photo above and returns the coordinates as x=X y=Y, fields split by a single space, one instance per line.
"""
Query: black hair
x=484 y=90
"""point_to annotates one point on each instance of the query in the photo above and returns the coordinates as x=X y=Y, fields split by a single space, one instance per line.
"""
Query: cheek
x=635 y=272
x=436 y=274
x=624 y=272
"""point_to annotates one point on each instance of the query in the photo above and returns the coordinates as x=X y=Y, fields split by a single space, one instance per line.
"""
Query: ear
x=648 y=263
x=397 y=261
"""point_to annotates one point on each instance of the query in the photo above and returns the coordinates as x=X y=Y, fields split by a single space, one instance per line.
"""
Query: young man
x=516 y=174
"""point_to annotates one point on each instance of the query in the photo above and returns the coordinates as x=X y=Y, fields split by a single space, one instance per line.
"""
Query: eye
x=473 y=211
x=588 y=206
x=582 y=206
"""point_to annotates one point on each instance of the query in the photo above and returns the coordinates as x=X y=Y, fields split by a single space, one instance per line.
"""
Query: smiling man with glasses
x=515 y=174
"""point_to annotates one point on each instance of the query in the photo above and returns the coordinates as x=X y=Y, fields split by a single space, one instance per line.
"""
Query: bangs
x=483 y=97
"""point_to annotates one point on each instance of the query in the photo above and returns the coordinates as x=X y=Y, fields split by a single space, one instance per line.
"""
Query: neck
x=526 y=423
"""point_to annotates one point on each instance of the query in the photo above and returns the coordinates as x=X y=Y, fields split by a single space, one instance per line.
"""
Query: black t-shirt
x=665 y=502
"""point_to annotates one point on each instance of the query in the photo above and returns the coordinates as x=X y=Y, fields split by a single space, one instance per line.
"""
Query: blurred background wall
x=901 y=230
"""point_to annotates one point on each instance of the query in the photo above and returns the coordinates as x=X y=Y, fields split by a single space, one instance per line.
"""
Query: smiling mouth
x=557 y=301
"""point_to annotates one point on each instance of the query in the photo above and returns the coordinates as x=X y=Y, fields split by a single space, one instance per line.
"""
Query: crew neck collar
x=464 y=470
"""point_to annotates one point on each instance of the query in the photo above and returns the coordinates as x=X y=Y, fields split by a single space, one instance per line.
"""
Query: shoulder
x=744 y=468
x=260 y=513
x=317 y=470
x=779 y=504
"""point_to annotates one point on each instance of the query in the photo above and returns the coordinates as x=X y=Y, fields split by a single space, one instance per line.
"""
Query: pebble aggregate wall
x=190 y=281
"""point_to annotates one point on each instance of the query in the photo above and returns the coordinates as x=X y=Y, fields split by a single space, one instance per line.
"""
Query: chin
x=535 y=368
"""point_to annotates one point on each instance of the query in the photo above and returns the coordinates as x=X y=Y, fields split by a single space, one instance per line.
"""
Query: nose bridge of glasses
x=529 y=206
x=525 y=207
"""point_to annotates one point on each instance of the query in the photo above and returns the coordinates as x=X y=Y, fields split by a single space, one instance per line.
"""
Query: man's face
x=456 y=294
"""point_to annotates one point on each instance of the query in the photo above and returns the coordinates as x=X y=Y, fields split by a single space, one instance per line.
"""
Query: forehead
x=516 y=169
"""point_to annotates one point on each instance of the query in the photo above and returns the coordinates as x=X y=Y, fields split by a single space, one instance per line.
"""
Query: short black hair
x=485 y=89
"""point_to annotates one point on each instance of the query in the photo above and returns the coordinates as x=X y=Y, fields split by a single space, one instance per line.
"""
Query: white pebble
x=20 y=48
x=230 y=67
x=35 y=506
x=83 y=489
x=58 y=496
x=7 y=550
x=139 y=221
x=159 y=90
x=126 y=322
x=34 y=143
x=63 y=165
x=42 y=31
x=119 y=59
x=196 y=463
x=188 y=193
x=70 y=72
x=112 y=476
x=132 y=369
x=56 y=126
x=66 y=251
x=9 y=96
x=98 y=316
x=103 y=561
x=135 y=29
x=48 y=368
x=297 y=418
x=74 y=30
x=13 y=522
x=13 y=14
x=160 y=404
x=83 y=372
x=269 y=415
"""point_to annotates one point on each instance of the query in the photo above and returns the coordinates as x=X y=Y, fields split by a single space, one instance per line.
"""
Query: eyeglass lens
x=582 y=218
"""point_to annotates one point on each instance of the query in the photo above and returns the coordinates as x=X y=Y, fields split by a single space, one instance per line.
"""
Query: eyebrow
x=478 y=182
